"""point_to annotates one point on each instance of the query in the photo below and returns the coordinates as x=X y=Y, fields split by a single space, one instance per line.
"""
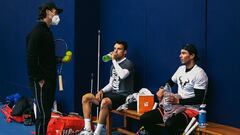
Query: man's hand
x=160 y=93
x=99 y=95
x=173 y=99
x=114 y=55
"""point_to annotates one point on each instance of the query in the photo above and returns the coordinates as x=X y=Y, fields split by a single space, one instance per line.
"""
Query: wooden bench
x=211 y=128
x=218 y=129
x=126 y=114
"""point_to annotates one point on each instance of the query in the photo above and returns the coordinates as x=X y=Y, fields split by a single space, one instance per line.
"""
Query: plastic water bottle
x=167 y=92
x=202 y=116
x=107 y=57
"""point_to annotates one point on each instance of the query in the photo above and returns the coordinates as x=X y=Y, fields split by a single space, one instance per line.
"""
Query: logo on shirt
x=183 y=81
x=116 y=80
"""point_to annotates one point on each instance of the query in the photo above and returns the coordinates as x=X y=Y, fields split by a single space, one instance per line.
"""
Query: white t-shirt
x=196 y=78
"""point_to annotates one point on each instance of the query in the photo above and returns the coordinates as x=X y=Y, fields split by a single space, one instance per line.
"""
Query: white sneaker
x=86 y=132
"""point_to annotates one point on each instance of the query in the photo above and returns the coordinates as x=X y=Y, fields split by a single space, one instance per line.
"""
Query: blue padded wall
x=223 y=61
x=86 y=29
x=124 y=20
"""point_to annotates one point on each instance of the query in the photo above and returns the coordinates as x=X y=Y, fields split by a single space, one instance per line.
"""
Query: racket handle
x=60 y=83
x=190 y=124
x=192 y=128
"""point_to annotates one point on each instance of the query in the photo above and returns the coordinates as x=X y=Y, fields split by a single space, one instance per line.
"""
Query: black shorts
x=116 y=99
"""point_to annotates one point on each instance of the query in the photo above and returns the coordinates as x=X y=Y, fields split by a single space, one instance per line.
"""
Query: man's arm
x=170 y=82
x=197 y=99
x=108 y=87
x=122 y=73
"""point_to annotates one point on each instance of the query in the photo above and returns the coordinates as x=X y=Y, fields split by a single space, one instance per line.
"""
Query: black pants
x=44 y=97
x=116 y=99
x=150 y=120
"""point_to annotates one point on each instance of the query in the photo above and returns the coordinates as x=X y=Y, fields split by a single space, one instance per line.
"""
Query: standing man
x=192 y=83
x=41 y=62
x=114 y=93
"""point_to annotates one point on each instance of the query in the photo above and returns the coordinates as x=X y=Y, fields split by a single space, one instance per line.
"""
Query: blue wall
x=86 y=29
x=156 y=30
x=223 y=61
x=18 y=18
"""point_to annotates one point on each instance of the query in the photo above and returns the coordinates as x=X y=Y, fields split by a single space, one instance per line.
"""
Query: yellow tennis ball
x=69 y=53
x=66 y=59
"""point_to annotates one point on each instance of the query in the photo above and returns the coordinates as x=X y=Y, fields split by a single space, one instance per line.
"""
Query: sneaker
x=86 y=132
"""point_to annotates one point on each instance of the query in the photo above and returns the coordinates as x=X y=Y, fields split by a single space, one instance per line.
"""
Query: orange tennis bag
x=65 y=125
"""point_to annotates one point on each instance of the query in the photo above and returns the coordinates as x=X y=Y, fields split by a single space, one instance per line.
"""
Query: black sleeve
x=197 y=99
x=170 y=82
x=33 y=50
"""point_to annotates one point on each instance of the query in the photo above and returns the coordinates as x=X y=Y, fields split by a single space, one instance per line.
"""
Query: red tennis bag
x=7 y=112
x=65 y=125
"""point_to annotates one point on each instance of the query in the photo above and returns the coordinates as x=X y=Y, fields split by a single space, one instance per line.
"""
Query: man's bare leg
x=105 y=105
x=87 y=101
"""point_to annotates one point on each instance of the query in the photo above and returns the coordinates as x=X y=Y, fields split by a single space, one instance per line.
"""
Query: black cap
x=192 y=50
x=50 y=5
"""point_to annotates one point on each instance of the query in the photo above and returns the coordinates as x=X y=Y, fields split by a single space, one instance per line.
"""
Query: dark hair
x=192 y=50
x=124 y=43
x=42 y=12
x=47 y=6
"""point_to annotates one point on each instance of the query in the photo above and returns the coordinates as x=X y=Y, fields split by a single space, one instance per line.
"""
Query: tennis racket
x=61 y=48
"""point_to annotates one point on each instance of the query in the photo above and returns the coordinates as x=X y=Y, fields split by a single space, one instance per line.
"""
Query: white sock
x=98 y=129
x=87 y=124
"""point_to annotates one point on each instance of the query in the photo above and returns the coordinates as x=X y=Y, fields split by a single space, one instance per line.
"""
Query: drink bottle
x=202 y=116
x=107 y=57
x=167 y=92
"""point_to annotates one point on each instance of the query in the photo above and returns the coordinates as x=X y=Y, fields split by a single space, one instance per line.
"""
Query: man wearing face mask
x=41 y=63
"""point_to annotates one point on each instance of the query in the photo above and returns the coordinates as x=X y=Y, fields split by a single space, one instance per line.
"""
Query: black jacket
x=41 y=60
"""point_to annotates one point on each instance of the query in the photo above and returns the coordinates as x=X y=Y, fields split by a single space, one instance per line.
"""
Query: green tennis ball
x=66 y=58
x=69 y=53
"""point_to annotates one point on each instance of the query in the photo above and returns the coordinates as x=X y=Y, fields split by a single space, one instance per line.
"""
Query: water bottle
x=202 y=116
x=167 y=92
x=107 y=57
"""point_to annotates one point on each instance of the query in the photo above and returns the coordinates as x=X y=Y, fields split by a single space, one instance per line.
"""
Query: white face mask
x=55 y=20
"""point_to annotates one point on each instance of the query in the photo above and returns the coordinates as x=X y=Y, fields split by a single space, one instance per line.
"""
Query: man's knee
x=169 y=123
x=144 y=118
x=106 y=103
x=87 y=97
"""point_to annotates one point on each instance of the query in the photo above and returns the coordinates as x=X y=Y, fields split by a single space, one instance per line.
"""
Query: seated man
x=192 y=83
x=114 y=93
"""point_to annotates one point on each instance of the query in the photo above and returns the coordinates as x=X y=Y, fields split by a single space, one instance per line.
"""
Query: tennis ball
x=69 y=53
x=66 y=59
